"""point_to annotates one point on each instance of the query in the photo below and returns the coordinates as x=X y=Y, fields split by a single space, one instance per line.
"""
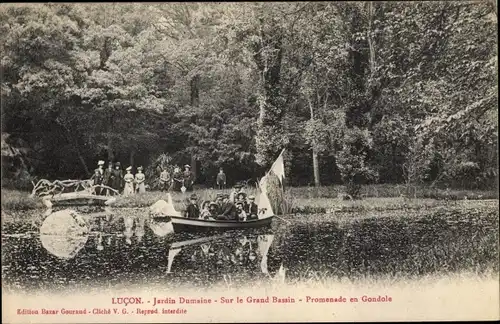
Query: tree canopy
x=372 y=91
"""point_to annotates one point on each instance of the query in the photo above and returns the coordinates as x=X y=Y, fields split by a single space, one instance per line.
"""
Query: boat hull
x=190 y=225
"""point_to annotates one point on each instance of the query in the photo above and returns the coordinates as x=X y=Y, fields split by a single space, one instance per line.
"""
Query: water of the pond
x=122 y=250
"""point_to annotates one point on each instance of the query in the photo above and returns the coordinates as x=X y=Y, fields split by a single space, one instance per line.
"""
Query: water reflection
x=132 y=247
x=126 y=249
x=64 y=247
x=225 y=253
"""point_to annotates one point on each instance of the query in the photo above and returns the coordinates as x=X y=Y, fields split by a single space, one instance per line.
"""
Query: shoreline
x=301 y=200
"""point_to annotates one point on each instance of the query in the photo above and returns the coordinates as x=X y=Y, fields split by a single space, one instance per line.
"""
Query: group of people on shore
x=114 y=178
x=128 y=183
x=177 y=180
x=235 y=206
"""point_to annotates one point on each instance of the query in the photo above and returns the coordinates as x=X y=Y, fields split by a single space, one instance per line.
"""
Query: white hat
x=101 y=162
x=129 y=168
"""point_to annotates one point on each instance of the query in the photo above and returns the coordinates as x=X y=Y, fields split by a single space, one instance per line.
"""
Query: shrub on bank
x=19 y=200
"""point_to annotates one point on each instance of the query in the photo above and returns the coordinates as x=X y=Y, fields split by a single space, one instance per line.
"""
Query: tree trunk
x=316 y=168
x=314 y=151
x=82 y=161
x=132 y=155
x=370 y=39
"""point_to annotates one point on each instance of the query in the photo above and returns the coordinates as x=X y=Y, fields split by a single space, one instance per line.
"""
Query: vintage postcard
x=249 y=162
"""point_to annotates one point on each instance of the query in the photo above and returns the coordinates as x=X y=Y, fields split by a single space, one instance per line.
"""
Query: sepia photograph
x=232 y=162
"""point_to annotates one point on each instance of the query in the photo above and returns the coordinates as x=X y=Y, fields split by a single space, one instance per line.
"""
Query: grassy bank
x=301 y=199
x=19 y=200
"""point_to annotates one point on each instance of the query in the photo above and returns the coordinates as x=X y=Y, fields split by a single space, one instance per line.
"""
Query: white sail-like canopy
x=264 y=205
x=278 y=168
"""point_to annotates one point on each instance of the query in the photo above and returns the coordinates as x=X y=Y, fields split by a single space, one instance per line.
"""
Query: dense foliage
x=385 y=92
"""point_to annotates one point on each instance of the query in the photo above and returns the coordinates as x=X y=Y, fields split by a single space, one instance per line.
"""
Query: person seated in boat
x=205 y=212
x=228 y=209
x=252 y=209
x=192 y=210
x=213 y=208
x=240 y=211
x=218 y=201
x=237 y=188
x=241 y=197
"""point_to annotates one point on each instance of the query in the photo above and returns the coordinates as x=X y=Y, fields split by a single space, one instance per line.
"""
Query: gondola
x=183 y=224
x=193 y=225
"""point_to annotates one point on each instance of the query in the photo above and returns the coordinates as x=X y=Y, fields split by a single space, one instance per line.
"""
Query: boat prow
x=164 y=209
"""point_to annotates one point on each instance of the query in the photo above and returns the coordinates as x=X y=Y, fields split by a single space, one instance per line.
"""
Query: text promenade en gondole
x=251 y=300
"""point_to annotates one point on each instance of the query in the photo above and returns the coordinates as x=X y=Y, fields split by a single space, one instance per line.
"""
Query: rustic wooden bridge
x=67 y=190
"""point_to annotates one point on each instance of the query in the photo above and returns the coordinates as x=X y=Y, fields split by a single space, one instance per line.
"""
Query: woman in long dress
x=139 y=180
x=177 y=180
x=129 y=182
x=117 y=177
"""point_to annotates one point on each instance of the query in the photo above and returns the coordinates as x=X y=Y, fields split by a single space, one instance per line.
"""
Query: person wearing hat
x=205 y=212
x=188 y=178
x=252 y=208
x=177 y=179
x=117 y=181
x=100 y=166
x=139 y=180
x=129 y=182
x=98 y=180
x=213 y=208
x=241 y=197
x=107 y=179
x=228 y=209
x=237 y=188
x=192 y=210
x=218 y=201
x=221 y=179
x=165 y=180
